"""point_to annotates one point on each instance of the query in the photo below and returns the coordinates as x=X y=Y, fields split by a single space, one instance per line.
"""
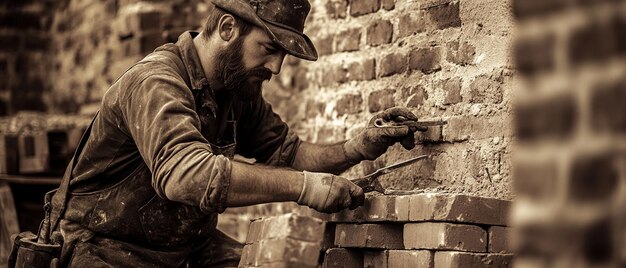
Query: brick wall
x=570 y=163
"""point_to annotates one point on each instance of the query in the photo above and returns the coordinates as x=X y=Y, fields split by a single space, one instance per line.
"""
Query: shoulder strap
x=59 y=200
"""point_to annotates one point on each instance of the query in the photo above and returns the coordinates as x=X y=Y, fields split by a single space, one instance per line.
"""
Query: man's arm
x=254 y=184
x=322 y=158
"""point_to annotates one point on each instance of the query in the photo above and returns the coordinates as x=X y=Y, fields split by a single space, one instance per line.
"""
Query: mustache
x=261 y=72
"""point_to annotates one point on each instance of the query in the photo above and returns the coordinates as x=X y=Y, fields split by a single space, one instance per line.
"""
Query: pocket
x=168 y=223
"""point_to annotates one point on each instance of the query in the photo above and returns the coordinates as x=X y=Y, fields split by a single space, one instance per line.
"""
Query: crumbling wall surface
x=442 y=59
x=570 y=163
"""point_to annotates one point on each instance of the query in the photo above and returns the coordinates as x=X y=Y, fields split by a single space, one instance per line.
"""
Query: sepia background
x=533 y=92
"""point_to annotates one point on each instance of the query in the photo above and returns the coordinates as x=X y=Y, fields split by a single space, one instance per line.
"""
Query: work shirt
x=152 y=115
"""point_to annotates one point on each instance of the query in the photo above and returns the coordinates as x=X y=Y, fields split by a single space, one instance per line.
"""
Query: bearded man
x=156 y=166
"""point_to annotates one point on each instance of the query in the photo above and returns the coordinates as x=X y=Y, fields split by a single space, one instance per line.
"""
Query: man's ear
x=226 y=27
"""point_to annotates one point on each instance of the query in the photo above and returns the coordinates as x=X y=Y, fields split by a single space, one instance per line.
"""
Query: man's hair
x=215 y=13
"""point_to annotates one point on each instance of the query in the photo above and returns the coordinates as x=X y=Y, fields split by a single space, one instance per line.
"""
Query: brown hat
x=283 y=20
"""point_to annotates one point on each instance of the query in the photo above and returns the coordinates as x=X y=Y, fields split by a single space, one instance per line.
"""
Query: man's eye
x=270 y=50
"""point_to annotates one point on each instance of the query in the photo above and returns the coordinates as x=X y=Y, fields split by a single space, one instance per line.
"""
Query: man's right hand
x=329 y=193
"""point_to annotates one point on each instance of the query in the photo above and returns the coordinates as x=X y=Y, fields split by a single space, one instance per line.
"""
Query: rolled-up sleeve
x=160 y=116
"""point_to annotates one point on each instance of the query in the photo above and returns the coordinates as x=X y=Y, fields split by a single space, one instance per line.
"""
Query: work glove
x=374 y=140
x=329 y=193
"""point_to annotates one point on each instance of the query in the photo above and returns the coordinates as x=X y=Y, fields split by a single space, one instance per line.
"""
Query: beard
x=236 y=78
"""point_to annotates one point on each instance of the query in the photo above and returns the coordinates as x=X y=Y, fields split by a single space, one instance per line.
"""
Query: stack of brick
x=287 y=240
x=570 y=162
x=420 y=230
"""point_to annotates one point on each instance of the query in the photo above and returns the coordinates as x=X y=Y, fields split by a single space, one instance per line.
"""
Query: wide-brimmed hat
x=283 y=20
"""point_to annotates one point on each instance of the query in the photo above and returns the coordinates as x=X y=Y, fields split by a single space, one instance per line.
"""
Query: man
x=157 y=166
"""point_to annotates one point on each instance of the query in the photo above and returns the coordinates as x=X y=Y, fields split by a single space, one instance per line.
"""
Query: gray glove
x=329 y=193
x=374 y=141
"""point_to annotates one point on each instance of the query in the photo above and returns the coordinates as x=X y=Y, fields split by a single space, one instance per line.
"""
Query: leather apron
x=132 y=212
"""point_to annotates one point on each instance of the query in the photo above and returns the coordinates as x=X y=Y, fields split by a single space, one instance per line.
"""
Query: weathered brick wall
x=570 y=163
x=442 y=59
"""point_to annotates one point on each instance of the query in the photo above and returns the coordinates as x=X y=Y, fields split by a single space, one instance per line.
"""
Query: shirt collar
x=192 y=60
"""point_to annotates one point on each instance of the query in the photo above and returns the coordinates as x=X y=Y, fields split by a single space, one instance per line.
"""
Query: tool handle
x=361 y=182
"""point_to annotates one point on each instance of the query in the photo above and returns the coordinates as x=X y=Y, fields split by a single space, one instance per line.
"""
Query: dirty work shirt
x=150 y=115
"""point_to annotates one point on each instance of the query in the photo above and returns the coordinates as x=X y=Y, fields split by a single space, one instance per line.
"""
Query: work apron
x=131 y=218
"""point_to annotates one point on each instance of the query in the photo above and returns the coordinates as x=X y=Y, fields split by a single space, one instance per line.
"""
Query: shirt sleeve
x=263 y=135
x=160 y=116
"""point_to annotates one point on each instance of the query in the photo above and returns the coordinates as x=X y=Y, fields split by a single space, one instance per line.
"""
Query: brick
x=461 y=53
x=334 y=75
x=337 y=9
x=379 y=32
x=324 y=45
x=9 y=155
x=328 y=241
x=608 y=114
x=293 y=226
x=383 y=236
x=362 y=7
x=444 y=16
x=426 y=60
x=591 y=43
x=380 y=100
x=341 y=257
x=349 y=104
x=393 y=63
x=535 y=54
x=593 y=177
x=377 y=208
x=33 y=153
x=458 y=208
x=452 y=88
x=411 y=23
x=364 y=70
x=554 y=117
x=452 y=259
x=289 y=250
x=486 y=89
x=499 y=238
x=375 y=259
x=409 y=258
x=444 y=236
x=348 y=40
x=388 y=4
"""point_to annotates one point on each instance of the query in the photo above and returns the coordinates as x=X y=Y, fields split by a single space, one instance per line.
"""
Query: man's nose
x=275 y=63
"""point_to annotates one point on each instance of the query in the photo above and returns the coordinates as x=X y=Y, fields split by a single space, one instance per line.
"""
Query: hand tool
x=402 y=121
x=370 y=181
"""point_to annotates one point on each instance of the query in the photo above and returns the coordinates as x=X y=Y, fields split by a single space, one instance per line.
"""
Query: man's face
x=249 y=61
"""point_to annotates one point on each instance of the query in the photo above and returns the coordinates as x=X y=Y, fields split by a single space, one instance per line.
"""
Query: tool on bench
x=370 y=182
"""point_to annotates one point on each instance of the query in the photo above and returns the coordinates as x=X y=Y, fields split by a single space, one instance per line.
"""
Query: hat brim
x=295 y=43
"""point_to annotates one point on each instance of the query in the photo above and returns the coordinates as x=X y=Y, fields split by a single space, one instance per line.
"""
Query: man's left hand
x=376 y=138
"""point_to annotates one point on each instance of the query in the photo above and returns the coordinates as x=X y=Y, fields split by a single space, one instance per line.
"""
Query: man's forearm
x=256 y=184
x=322 y=158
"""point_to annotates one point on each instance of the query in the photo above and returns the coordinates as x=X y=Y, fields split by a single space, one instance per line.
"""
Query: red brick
x=383 y=236
x=444 y=16
x=348 y=40
x=458 y=208
x=377 y=208
x=410 y=259
x=324 y=45
x=289 y=250
x=349 y=104
x=337 y=9
x=362 y=7
x=535 y=54
x=487 y=89
x=379 y=32
x=375 y=259
x=388 y=4
x=341 y=258
x=426 y=60
x=499 y=238
x=411 y=23
x=364 y=70
x=452 y=259
x=393 y=63
x=461 y=53
x=380 y=100
x=452 y=88
x=444 y=236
